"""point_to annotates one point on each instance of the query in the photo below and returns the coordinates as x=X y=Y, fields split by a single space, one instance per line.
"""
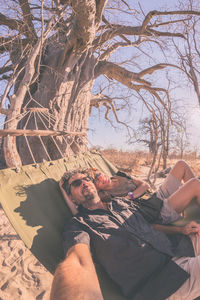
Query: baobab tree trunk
x=65 y=89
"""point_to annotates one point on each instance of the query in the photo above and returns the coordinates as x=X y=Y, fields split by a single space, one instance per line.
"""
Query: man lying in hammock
x=144 y=262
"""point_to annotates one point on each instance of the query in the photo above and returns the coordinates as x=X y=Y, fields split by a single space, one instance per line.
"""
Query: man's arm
x=70 y=204
x=191 y=228
x=75 y=278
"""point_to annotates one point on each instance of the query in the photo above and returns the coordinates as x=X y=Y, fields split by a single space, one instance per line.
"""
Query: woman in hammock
x=180 y=181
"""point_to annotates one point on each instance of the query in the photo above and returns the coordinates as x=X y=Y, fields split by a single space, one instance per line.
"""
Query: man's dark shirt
x=137 y=257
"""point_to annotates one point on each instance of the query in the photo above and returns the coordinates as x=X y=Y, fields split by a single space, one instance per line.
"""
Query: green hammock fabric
x=35 y=207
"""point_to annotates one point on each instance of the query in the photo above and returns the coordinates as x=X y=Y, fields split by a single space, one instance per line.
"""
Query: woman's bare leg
x=182 y=171
x=184 y=195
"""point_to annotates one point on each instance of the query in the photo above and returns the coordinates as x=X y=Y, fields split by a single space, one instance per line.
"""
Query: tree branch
x=118 y=73
x=6 y=69
x=162 y=33
x=5 y=77
x=7 y=43
x=106 y=101
x=100 y=4
x=154 y=13
x=128 y=78
x=27 y=17
x=18 y=98
x=117 y=30
x=193 y=77
x=155 y=68
x=11 y=23
x=115 y=46
x=168 y=23
x=4 y=111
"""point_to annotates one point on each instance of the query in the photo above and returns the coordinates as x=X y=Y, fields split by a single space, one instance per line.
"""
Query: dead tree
x=148 y=129
x=188 y=53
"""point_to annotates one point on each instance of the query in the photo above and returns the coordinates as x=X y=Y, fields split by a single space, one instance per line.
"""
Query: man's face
x=83 y=190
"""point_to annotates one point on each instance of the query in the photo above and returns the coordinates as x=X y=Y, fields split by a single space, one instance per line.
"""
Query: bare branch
x=106 y=101
x=154 y=13
x=4 y=111
x=162 y=33
x=6 y=69
x=118 y=73
x=146 y=30
x=6 y=44
x=155 y=68
x=195 y=41
x=17 y=98
x=125 y=3
x=128 y=78
x=5 y=77
x=11 y=23
x=118 y=30
x=30 y=69
x=193 y=77
x=114 y=47
x=168 y=23
x=27 y=17
x=100 y=5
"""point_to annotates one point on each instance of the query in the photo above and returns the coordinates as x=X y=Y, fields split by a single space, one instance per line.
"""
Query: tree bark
x=66 y=92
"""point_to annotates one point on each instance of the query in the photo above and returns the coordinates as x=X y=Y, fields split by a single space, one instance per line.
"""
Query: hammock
x=35 y=207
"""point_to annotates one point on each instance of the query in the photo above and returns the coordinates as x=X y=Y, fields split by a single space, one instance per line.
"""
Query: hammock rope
x=44 y=124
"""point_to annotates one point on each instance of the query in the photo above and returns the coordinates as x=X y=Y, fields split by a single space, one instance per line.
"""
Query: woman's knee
x=181 y=164
x=179 y=169
x=194 y=184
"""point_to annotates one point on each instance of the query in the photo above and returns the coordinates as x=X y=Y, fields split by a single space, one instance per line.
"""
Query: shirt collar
x=82 y=209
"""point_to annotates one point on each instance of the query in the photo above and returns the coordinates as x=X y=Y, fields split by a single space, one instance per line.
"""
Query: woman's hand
x=191 y=228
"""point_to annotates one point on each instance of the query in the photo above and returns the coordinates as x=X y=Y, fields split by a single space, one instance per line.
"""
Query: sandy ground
x=21 y=274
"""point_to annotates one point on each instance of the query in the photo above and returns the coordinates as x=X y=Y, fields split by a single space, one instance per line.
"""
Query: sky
x=102 y=134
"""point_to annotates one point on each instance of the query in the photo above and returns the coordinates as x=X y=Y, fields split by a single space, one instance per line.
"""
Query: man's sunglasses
x=77 y=182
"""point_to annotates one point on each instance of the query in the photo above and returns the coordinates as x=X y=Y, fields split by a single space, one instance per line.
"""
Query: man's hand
x=191 y=228
x=67 y=198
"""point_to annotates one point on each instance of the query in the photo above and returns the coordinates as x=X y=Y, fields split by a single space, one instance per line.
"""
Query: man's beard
x=89 y=197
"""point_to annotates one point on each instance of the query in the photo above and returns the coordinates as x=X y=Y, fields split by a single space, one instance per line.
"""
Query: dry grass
x=132 y=161
x=125 y=161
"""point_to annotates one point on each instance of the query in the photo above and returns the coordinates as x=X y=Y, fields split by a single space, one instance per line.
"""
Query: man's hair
x=68 y=175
